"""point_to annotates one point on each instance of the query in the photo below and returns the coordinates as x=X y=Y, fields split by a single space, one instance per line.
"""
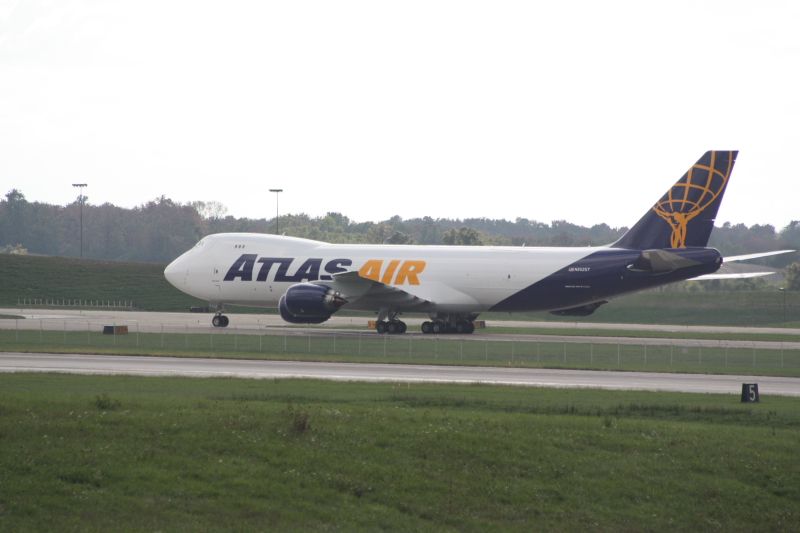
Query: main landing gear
x=220 y=320
x=443 y=326
x=389 y=323
x=450 y=323
x=392 y=327
x=440 y=323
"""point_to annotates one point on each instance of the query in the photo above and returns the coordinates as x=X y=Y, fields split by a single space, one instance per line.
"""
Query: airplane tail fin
x=685 y=215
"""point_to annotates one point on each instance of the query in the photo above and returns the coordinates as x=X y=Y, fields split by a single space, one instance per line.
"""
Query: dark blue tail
x=684 y=216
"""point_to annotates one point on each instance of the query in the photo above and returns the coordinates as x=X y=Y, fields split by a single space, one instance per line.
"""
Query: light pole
x=783 y=290
x=277 y=194
x=81 y=198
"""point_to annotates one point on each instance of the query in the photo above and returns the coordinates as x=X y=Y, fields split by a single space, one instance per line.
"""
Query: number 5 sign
x=750 y=392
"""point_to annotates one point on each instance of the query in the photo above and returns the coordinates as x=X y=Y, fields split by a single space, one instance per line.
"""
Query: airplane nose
x=175 y=273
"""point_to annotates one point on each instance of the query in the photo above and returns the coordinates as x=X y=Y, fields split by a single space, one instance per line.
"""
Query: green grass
x=125 y=453
x=61 y=278
x=371 y=348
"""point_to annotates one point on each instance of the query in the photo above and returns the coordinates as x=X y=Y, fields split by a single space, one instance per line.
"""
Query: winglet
x=684 y=216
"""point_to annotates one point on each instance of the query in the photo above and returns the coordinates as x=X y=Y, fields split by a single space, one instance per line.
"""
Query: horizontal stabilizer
x=746 y=257
x=742 y=275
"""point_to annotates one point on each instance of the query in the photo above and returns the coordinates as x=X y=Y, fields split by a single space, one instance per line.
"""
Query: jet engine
x=307 y=303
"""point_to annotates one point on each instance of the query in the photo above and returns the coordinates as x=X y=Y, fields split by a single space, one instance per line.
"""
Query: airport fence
x=687 y=355
x=75 y=303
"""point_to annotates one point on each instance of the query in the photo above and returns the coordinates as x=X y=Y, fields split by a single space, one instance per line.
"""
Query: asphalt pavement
x=201 y=367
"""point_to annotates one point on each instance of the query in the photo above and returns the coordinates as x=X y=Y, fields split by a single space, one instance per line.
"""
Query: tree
x=399 y=237
x=790 y=235
x=14 y=221
x=428 y=231
x=462 y=236
x=793 y=277
x=210 y=210
x=16 y=249
x=379 y=234
x=14 y=197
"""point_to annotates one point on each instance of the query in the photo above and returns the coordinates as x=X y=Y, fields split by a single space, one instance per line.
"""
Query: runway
x=265 y=324
x=199 y=367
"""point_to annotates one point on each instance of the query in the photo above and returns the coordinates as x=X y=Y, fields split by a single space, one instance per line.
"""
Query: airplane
x=308 y=281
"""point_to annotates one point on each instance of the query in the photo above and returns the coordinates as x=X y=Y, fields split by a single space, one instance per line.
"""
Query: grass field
x=61 y=278
x=56 y=278
x=372 y=348
x=124 y=453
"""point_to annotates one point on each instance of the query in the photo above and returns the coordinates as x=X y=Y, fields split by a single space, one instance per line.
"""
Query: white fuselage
x=256 y=269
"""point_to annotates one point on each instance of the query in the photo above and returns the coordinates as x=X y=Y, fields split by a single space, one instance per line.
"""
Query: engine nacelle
x=307 y=303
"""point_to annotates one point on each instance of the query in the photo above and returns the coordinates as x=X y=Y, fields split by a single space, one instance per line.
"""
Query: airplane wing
x=374 y=294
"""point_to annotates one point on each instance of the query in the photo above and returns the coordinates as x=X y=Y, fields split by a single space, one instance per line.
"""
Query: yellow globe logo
x=696 y=190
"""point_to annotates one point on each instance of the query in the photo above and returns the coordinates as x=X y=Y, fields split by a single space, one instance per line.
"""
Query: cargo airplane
x=308 y=281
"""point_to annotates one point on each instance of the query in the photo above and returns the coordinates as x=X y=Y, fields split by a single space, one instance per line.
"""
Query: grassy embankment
x=62 y=278
x=143 y=283
x=131 y=453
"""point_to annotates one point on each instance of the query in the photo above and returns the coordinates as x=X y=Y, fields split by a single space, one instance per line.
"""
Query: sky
x=578 y=110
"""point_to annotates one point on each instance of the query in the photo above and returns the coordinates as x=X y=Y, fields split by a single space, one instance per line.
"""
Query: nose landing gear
x=220 y=321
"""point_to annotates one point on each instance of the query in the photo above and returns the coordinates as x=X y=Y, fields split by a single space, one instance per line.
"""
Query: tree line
x=162 y=229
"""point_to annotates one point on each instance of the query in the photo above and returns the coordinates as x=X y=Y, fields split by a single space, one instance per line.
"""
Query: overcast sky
x=579 y=110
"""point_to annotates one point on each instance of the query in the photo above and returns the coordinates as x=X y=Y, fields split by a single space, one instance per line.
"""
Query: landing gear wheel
x=465 y=327
x=220 y=321
x=380 y=327
x=393 y=327
x=460 y=323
